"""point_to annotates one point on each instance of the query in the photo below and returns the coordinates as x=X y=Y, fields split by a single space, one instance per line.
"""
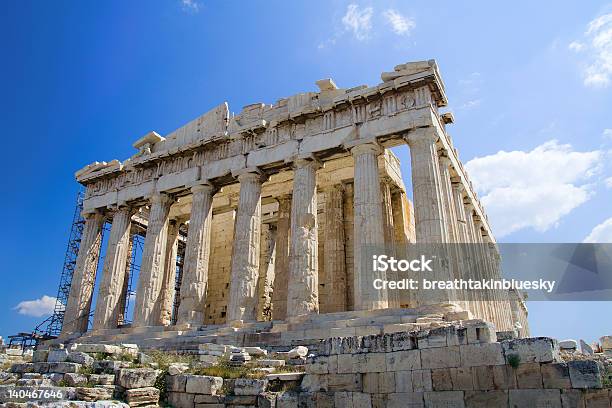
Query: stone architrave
x=76 y=316
x=281 y=267
x=368 y=227
x=150 y=280
x=245 y=253
x=197 y=255
x=108 y=304
x=303 y=288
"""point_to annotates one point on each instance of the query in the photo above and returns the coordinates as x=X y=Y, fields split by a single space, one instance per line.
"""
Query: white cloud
x=358 y=21
x=533 y=189
x=601 y=232
x=607 y=134
x=474 y=103
x=399 y=24
x=190 y=5
x=37 y=308
x=608 y=182
x=597 y=46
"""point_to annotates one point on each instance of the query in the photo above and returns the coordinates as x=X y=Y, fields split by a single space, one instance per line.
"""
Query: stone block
x=441 y=379
x=64 y=367
x=94 y=393
x=370 y=383
x=375 y=363
x=447 y=399
x=177 y=368
x=405 y=400
x=555 y=375
x=342 y=331
x=361 y=400
x=247 y=386
x=80 y=358
x=138 y=397
x=432 y=338
x=586 y=348
x=400 y=341
x=403 y=360
x=421 y=381
x=403 y=381
x=316 y=365
x=34 y=382
x=486 y=399
x=482 y=377
x=57 y=355
x=479 y=331
x=572 y=398
x=534 y=398
x=504 y=377
x=109 y=366
x=137 y=377
x=456 y=336
x=98 y=348
x=176 y=383
x=241 y=400
x=441 y=357
x=209 y=399
x=461 y=378
x=181 y=400
x=256 y=351
x=597 y=398
x=533 y=349
x=568 y=344
x=203 y=384
x=473 y=355
x=606 y=342
x=102 y=379
x=584 y=374
x=528 y=375
x=344 y=382
x=20 y=368
x=40 y=356
x=74 y=379
x=314 y=383
x=386 y=382
x=298 y=352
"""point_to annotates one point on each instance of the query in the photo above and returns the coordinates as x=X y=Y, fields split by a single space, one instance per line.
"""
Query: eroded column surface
x=303 y=288
x=168 y=286
x=266 y=272
x=368 y=228
x=430 y=217
x=151 y=276
x=389 y=232
x=335 y=260
x=430 y=222
x=109 y=302
x=245 y=254
x=281 y=267
x=126 y=281
x=197 y=255
x=77 y=311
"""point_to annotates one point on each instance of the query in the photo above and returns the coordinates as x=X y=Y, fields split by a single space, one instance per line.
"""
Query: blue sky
x=529 y=85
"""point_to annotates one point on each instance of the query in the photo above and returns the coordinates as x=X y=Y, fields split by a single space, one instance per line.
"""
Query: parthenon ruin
x=273 y=208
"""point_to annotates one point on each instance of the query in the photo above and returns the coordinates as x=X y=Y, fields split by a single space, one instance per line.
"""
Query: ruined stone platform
x=306 y=330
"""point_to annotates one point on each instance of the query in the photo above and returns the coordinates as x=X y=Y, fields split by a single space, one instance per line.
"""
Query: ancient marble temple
x=273 y=206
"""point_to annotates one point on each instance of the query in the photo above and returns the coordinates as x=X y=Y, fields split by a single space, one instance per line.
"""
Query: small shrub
x=86 y=370
x=514 y=360
x=62 y=383
x=161 y=385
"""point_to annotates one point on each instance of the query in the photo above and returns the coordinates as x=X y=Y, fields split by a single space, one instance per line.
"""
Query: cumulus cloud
x=400 y=24
x=601 y=232
x=36 y=308
x=607 y=134
x=190 y=5
x=533 y=189
x=358 y=21
x=596 y=47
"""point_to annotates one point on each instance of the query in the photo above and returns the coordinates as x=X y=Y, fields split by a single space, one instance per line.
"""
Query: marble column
x=126 y=282
x=403 y=225
x=76 y=316
x=430 y=217
x=430 y=222
x=368 y=228
x=150 y=279
x=462 y=237
x=168 y=285
x=477 y=270
x=194 y=282
x=113 y=272
x=335 y=259
x=245 y=253
x=303 y=287
x=281 y=267
x=389 y=232
x=266 y=272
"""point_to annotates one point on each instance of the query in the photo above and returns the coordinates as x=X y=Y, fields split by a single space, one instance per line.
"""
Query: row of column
x=440 y=212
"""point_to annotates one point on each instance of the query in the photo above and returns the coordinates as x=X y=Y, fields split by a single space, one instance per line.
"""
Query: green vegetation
x=514 y=360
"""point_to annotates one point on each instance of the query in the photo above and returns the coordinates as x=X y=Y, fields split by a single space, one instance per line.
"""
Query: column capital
x=444 y=160
x=249 y=174
x=365 y=148
x=159 y=198
x=304 y=161
x=90 y=213
x=427 y=135
x=204 y=186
